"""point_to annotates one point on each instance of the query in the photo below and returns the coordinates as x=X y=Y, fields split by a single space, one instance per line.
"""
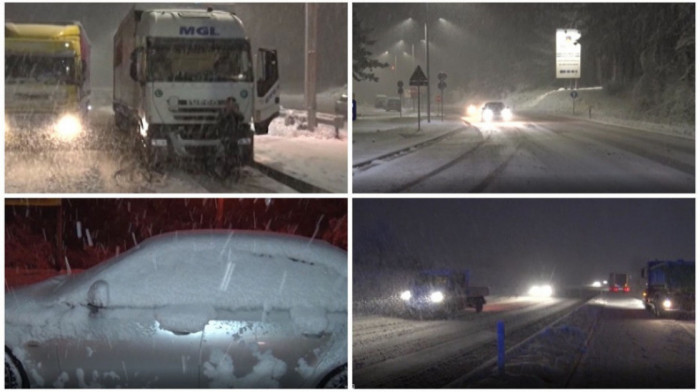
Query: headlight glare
x=541 y=291
x=487 y=115
x=68 y=127
x=406 y=295
x=667 y=304
x=507 y=114
x=437 y=296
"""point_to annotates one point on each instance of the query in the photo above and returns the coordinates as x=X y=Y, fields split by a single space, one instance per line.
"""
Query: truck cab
x=174 y=70
x=444 y=292
x=670 y=287
x=47 y=81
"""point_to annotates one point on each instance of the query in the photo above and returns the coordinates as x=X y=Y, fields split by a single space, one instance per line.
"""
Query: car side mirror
x=98 y=295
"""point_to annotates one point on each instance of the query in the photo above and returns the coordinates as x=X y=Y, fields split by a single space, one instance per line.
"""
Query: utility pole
x=311 y=59
x=427 y=58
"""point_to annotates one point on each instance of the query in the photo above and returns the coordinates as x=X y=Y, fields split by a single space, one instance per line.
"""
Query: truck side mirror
x=136 y=69
x=132 y=67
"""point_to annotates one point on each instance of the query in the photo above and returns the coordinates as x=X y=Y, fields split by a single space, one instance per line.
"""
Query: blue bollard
x=501 y=333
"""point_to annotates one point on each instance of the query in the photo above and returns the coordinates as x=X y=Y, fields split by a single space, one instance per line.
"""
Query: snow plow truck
x=670 y=287
x=443 y=292
x=175 y=69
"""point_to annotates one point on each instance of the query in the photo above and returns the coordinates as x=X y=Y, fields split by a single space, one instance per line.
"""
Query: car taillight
x=627 y=289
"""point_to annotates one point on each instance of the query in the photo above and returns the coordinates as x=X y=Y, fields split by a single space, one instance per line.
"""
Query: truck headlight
x=507 y=114
x=406 y=295
x=471 y=110
x=667 y=304
x=487 y=115
x=143 y=128
x=437 y=296
x=68 y=127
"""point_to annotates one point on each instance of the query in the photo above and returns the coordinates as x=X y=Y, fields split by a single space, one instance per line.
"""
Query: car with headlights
x=443 y=292
x=194 y=309
x=495 y=111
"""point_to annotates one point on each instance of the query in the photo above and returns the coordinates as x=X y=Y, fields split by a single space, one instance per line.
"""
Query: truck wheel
x=262 y=128
x=658 y=311
x=479 y=306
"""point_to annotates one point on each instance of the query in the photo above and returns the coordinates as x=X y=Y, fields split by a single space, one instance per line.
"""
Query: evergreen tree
x=362 y=63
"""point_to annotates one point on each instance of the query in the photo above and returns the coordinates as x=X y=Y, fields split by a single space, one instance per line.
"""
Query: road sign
x=568 y=58
x=400 y=83
x=438 y=98
x=442 y=85
x=414 y=91
x=418 y=78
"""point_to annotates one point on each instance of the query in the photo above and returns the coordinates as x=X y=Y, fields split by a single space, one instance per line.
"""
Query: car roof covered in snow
x=222 y=268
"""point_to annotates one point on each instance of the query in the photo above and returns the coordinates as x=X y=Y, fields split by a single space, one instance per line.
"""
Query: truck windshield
x=431 y=280
x=199 y=60
x=681 y=276
x=27 y=68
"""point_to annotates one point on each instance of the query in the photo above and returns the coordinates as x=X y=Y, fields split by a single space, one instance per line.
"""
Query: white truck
x=174 y=69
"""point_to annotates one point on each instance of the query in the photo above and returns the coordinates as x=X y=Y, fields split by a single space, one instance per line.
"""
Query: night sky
x=492 y=48
x=272 y=26
x=115 y=225
x=570 y=241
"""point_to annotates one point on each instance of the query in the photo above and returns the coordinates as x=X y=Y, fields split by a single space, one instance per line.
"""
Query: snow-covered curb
x=605 y=109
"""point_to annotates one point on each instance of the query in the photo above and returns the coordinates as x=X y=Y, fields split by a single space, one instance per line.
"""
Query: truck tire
x=479 y=305
x=658 y=311
x=262 y=128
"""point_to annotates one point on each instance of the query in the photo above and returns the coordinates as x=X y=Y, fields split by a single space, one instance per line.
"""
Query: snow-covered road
x=534 y=153
x=610 y=342
x=401 y=352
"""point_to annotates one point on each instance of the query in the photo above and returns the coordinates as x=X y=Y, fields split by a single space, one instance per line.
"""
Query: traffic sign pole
x=419 y=79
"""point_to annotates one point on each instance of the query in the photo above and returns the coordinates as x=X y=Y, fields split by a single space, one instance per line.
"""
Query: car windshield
x=199 y=60
x=27 y=68
x=496 y=106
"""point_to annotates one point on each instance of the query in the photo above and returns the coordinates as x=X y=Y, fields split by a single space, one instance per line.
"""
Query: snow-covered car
x=380 y=101
x=495 y=110
x=393 y=103
x=190 y=309
x=341 y=106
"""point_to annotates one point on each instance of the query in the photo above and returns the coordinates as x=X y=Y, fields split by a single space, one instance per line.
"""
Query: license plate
x=159 y=142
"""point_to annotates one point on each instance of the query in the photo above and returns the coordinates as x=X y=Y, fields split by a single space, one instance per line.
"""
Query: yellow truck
x=47 y=80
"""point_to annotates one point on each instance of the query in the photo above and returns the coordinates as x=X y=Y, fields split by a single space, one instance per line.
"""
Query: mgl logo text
x=201 y=30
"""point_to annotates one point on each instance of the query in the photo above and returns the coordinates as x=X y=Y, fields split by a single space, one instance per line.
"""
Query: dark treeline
x=96 y=229
x=646 y=50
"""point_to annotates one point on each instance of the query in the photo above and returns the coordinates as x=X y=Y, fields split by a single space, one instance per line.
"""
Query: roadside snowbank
x=605 y=108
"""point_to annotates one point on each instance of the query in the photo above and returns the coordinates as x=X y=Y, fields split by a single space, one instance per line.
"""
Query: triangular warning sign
x=418 y=78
